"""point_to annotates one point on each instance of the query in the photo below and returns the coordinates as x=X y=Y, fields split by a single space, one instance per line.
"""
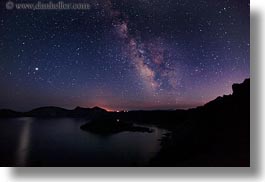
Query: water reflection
x=24 y=142
x=61 y=142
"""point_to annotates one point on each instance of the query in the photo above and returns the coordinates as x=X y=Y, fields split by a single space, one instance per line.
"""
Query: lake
x=61 y=142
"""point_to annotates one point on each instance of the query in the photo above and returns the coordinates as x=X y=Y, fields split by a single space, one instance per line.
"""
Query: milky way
x=123 y=54
x=148 y=58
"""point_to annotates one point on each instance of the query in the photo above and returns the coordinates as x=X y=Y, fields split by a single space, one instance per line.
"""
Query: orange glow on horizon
x=107 y=109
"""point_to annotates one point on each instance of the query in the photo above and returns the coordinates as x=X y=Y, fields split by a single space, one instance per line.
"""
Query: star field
x=123 y=55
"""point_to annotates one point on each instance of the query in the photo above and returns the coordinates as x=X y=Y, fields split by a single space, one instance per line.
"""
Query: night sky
x=124 y=54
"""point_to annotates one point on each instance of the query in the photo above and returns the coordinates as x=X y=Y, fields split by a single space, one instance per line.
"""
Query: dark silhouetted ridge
x=216 y=134
x=48 y=112
x=51 y=111
x=9 y=113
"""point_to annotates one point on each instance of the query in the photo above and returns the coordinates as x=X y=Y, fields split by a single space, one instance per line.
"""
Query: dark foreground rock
x=216 y=134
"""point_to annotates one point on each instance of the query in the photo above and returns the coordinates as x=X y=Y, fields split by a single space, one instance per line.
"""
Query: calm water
x=61 y=142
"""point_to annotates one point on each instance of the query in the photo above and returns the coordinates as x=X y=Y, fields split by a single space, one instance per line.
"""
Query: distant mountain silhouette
x=48 y=112
x=52 y=111
x=9 y=113
x=81 y=112
x=240 y=92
